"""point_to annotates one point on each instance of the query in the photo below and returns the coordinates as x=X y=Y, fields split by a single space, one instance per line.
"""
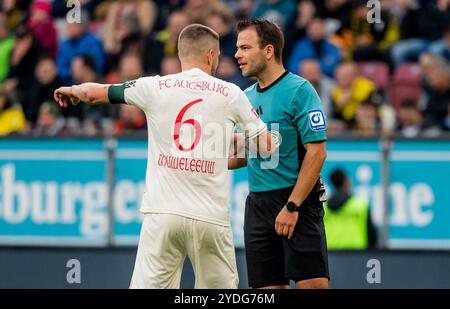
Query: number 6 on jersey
x=193 y=122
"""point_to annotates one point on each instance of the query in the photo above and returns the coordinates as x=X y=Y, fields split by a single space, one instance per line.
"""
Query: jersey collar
x=196 y=71
x=259 y=89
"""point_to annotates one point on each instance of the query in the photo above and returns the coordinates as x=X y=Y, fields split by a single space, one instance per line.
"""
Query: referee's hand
x=285 y=222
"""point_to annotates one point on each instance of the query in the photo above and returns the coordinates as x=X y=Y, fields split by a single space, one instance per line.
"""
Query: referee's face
x=249 y=54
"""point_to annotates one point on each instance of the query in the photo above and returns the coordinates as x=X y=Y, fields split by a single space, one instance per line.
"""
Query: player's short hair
x=195 y=40
x=268 y=33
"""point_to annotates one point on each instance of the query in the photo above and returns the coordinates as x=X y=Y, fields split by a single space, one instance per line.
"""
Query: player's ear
x=209 y=56
x=213 y=54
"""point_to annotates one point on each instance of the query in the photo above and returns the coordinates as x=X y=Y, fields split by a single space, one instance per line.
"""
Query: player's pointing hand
x=63 y=96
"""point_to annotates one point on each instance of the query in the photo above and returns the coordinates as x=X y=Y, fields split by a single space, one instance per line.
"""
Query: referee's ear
x=269 y=51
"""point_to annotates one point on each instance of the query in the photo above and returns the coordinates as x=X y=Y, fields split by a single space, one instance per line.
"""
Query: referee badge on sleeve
x=317 y=120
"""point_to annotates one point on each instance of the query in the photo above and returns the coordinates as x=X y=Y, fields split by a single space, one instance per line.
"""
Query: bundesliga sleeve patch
x=317 y=120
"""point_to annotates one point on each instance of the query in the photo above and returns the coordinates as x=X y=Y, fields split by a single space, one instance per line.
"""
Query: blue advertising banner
x=131 y=164
x=55 y=192
x=420 y=195
x=419 y=198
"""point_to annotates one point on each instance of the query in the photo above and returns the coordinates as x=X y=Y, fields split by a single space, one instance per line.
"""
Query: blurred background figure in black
x=348 y=223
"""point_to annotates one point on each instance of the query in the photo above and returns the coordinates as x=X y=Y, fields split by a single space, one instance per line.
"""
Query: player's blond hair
x=195 y=40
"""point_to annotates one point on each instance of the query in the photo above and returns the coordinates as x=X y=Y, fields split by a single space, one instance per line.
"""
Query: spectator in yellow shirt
x=12 y=118
x=351 y=89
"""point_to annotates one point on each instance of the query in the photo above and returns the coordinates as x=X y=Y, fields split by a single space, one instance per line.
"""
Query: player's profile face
x=249 y=54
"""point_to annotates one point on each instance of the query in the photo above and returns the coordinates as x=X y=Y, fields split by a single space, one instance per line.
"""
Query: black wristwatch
x=291 y=206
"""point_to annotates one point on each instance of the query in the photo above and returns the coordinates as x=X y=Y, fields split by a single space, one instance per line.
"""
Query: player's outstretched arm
x=90 y=93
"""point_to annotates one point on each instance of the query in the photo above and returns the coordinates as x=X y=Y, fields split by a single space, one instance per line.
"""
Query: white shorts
x=165 y=242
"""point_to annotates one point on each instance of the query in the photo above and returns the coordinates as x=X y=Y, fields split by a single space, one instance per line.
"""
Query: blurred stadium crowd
x=383 y=77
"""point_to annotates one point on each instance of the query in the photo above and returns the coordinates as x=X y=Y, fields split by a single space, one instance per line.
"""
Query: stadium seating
x=405 y=84
x=376 y=71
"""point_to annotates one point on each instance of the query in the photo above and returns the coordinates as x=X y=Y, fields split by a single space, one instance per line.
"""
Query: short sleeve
x=308 y=114
x=139 y=92
x=245 y=117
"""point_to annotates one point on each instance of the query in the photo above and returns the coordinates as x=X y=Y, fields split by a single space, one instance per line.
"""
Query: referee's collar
x=260 y=90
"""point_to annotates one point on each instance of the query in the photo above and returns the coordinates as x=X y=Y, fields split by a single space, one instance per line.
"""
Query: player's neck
x=270 y=74
x=190 y=66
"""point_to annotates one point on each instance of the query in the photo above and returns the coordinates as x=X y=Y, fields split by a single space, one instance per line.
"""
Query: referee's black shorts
x=273 y=259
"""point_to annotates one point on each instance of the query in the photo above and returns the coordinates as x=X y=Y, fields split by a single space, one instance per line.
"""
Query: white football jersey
x=190 y=117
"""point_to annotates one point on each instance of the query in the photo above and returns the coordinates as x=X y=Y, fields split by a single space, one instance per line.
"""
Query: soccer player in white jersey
x=186 y=203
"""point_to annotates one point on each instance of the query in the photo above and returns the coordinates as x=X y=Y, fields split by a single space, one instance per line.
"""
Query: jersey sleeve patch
x=317 y=120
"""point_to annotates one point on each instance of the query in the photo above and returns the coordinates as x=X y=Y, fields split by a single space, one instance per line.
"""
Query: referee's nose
x=237 y=55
